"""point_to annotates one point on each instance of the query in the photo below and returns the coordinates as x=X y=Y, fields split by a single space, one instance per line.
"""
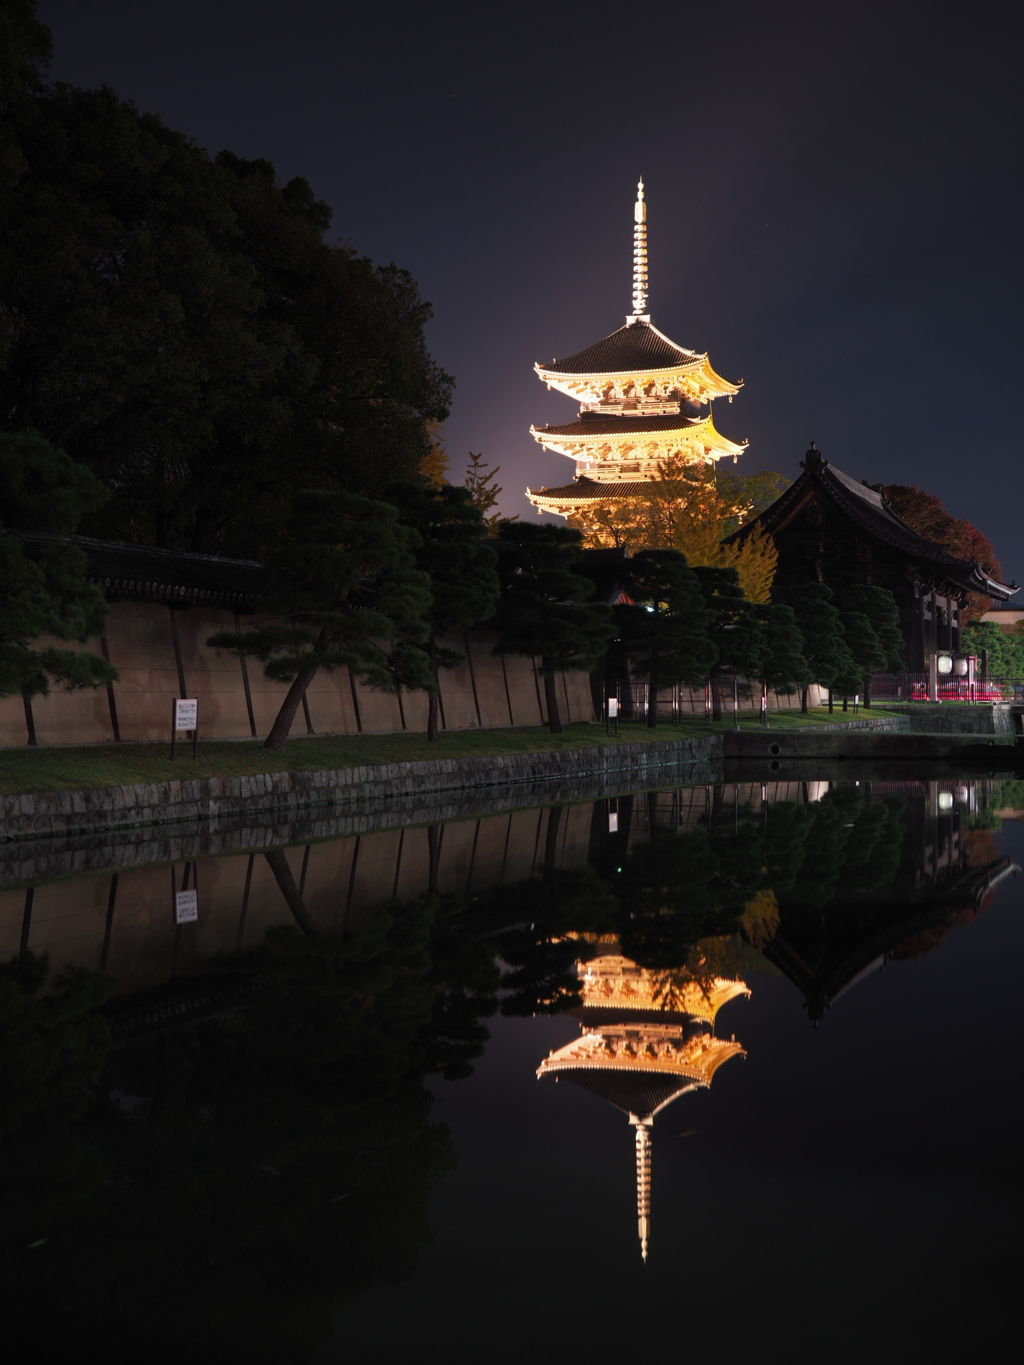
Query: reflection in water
x=647 y=1038
x=235 y=1115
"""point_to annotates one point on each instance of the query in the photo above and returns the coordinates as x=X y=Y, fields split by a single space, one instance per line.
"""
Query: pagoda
x=641 y=398
x=647 y=1039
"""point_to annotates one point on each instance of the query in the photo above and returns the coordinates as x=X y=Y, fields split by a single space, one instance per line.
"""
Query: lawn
x=116 y=765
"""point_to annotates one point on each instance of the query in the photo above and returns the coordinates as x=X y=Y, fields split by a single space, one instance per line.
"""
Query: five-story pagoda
x=640 y=398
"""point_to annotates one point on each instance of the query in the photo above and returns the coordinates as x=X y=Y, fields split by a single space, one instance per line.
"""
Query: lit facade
x=641 y=398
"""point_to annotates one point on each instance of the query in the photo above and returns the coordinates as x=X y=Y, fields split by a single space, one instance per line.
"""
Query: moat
x=734 y=1063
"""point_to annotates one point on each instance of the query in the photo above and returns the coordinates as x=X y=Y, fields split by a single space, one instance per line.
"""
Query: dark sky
x=833 y=189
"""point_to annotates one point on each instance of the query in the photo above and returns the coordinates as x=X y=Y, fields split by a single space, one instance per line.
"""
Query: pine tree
x=543 y=611
x=454 y=553
x=483 y=491
x=346 y=581
x=820 y=625
x=664 y=633
x=734 y=625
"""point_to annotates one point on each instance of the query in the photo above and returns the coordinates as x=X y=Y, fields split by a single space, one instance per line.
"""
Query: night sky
x=834 y=194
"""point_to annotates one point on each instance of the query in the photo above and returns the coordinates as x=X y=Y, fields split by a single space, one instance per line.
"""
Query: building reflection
x=647 y=1038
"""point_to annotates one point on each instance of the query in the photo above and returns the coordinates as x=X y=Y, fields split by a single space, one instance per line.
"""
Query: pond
x=729 y=1066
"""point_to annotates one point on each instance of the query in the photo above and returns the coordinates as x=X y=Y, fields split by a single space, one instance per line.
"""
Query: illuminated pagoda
x=641 y=398
x=648 y=1038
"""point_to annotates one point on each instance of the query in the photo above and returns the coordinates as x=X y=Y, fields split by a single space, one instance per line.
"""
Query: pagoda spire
x=643 y=1181
x=639 y=257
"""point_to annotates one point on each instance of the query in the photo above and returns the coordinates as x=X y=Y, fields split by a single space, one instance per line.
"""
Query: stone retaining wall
x=215 y=798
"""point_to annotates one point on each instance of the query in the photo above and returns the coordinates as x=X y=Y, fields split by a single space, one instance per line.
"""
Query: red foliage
x=925 y=514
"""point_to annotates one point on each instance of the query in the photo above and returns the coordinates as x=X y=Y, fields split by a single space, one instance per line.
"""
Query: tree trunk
x=283 y=876
x=803 y=700
x=830 y=701
x=652 y=706
x=282 y=725
x=551 y=697
x=551 y=843
x=434 y=856
x=433 y=698
x=867 y=689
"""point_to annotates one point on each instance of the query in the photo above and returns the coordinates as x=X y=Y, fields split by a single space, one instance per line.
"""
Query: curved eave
x=577 y=446
x=696 y=378
x=696 y=1065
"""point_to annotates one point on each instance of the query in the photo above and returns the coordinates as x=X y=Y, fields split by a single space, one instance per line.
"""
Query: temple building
x=641 y=398
x=647 y=1039
x=830 y=528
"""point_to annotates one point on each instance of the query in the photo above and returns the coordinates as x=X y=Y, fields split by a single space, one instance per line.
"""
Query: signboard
x=613 y=822
x=186 y=907
x=186 y=713
x=613 y=707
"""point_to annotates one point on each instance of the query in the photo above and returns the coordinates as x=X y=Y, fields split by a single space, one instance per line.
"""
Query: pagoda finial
x=643 y=1181
x=639 y=255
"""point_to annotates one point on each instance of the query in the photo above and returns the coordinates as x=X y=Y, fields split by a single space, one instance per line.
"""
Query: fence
x=914 y=687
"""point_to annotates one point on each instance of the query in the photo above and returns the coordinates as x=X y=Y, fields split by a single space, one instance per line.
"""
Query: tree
x=1005 y=649
x=346 y=582
x=686 y=509
x=664 y=631
x=820 y=625
x=179 y=325
x=543 y=611
x=871 y=623
x=43 y=586
x=734 y=625
x=454 y=553
x=784 y=666
x=925 y=514
x=483 y=491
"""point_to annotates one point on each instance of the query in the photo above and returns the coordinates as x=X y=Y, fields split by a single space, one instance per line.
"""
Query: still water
x=722 y=1069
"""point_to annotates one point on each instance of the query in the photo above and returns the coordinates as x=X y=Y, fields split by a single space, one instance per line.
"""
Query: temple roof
x=636 y=346
x=589 y=490
x=148 y=574
x=606 y=424
x=868 y=510
x=634 y=1092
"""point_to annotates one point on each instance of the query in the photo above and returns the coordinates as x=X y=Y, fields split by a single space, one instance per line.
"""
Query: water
x=308 y=1125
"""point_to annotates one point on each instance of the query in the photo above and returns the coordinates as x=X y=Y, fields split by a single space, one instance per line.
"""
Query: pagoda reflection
x=647 y=1038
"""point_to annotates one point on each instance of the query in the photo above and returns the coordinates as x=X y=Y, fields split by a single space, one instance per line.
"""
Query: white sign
x=186 y=907
x=186 y=713
x=613 y=822
x=613 y=707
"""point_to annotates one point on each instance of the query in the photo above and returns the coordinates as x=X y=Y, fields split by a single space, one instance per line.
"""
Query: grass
x=116 y=765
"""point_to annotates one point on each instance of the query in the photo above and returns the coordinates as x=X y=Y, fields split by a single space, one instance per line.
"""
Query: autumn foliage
x=925 y=514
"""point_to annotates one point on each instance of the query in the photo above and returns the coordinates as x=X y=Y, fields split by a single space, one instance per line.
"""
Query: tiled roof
x=637 y=346
x=634 y=1092
x=588 y=488
x=148 y=574
x=602 y=424
x=866 y=507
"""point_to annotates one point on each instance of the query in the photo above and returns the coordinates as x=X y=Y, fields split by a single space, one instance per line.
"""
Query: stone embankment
x=234 y=798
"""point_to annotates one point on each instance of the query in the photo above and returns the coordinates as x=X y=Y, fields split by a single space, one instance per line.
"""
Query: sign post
x=185 y=716
x=186 y=907
x=612 y=714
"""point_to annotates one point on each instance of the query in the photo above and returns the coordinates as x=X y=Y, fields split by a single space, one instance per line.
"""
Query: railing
x=914 y=687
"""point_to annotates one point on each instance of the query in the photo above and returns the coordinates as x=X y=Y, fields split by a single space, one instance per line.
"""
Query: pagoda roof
x=634 y=1092
x=868 y=510
x=626 y=424
x=638 y=351
x=583 y=489
x=636 y=346
x=636 y=1065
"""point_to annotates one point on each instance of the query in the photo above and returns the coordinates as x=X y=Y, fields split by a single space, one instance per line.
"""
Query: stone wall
x=216 y=798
